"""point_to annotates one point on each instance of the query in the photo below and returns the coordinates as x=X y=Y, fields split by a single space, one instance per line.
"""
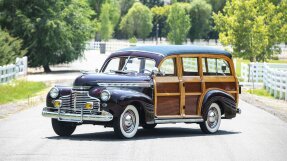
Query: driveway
x=253 y=135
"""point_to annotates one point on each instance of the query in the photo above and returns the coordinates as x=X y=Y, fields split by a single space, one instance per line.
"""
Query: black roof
x=167 y=50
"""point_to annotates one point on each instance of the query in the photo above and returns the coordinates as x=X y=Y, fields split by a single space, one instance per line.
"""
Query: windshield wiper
x=119 y=71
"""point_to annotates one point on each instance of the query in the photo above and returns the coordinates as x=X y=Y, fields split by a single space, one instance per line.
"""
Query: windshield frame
x=105 y=65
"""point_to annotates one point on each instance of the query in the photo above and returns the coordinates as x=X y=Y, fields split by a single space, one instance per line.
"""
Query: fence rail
x=9 y=72
x=273 y=77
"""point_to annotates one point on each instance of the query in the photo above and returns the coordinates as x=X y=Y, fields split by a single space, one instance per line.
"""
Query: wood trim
x=168 y=94
x=193 y=94
x=216 y=79
x=177 y=116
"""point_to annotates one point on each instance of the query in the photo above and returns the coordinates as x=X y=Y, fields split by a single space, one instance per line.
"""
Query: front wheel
x=212 y=115
x=63 y=128
x=126 y=126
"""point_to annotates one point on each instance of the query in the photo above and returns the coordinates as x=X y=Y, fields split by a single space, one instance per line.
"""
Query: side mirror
x=154 y=71
x=97 y=70
x=223 y=68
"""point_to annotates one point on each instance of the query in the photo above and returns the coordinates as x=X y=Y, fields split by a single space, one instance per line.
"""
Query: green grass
x=19 y=89
x=260 y=92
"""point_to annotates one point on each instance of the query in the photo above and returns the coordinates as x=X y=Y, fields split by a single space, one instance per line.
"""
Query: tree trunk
x=47 y=68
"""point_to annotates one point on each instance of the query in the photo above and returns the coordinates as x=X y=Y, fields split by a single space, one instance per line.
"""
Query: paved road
x=253 y=135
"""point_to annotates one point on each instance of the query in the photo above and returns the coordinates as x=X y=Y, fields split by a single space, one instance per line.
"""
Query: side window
x=223 y=67
x=168 y=67
x=215 y=66
x=190 y=66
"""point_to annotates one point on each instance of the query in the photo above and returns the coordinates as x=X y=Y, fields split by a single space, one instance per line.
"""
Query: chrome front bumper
x=70 y=117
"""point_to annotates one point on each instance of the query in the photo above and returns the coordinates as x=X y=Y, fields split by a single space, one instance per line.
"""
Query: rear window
x=215 y=66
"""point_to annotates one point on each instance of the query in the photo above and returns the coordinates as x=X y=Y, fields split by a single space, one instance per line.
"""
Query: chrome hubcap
x=128 y=121
x=213 y=116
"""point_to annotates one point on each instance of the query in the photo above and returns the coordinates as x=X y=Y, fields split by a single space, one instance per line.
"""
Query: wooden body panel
x=182 y=96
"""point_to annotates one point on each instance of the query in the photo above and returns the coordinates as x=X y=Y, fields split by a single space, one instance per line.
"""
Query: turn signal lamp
x=57 y=103
x=89 y=105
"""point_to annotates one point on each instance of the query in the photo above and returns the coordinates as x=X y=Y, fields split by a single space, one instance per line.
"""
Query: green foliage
x=52 y=31
x=252 y=28
x=152 y=3
x=10 y=48
x=159 y=18
x=106 y=24
x=133 y=40
x=179 y=23
x=126 y=5
x=19 y=89
x=217 y=5
x=138 y=21
x=200 y=13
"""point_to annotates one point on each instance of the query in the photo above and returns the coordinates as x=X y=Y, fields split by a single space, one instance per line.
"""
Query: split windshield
x=130 y=65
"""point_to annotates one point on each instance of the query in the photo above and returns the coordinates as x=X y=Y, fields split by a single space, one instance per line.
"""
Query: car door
x=192 y=84
x=167 y=91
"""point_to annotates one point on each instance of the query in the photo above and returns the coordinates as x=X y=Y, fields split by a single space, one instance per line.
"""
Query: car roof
x=166 y=50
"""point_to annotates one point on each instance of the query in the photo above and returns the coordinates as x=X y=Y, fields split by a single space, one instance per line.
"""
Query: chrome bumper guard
x=70 y=117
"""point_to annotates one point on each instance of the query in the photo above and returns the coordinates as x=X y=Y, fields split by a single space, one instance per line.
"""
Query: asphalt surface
x=253 y=135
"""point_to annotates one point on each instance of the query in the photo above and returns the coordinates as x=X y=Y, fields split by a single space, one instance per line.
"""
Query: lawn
x=19 y=89
x=260 y=92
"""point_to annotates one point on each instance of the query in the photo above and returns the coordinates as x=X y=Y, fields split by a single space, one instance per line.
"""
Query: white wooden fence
x=114 y=45
x=9 y=72
x=273 y=77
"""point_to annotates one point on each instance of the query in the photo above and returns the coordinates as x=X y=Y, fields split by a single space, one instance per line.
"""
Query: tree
x=200 y=13
x=179 y=24
x=152 y=3
x=138 y=21
x=52 y=31
x=217 y=5
x=10 y=48
x=252 y=28
x=126 y=5
x=159 y=20
x=106 y=28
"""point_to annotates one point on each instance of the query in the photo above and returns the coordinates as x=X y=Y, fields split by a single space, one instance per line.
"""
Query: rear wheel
x=149 y=126
x=212 y=116
x=62 y=128
x=126 y=126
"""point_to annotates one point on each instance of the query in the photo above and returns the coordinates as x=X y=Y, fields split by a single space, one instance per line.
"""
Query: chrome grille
x=76 y=101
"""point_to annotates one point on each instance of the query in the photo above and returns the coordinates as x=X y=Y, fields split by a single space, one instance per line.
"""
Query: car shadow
x=143 y=134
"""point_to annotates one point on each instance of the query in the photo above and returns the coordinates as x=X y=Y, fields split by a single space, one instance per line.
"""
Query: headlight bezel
x=105 y=95
x=54 y=92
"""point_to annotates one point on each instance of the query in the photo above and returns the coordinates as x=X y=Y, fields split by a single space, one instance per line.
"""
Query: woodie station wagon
x=149 y=85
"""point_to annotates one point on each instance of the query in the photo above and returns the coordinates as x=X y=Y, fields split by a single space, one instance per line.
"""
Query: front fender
x=63 y=91
x=225 y=100
x=121 y=97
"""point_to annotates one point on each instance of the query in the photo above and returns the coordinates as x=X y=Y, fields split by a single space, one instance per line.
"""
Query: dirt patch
x=273 y=106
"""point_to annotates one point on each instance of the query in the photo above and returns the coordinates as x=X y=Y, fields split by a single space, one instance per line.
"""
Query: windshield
x=130 y=64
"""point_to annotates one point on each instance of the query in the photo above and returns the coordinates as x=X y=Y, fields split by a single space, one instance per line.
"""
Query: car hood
x=94 y=79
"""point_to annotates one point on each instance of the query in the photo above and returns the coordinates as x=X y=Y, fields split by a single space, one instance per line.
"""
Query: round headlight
x=105 y=95
x=54 y=92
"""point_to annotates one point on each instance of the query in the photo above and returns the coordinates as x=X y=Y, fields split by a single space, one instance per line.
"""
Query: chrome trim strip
x=164 y=121
x=143 y=51
x=69 y=117
x=124 y=84
x=81 y=87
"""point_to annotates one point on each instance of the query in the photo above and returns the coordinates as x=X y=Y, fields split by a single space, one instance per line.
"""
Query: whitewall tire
x=126 y=126
x=212 y=118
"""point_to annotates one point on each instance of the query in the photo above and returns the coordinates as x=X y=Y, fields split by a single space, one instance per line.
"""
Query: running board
x=164 y=121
